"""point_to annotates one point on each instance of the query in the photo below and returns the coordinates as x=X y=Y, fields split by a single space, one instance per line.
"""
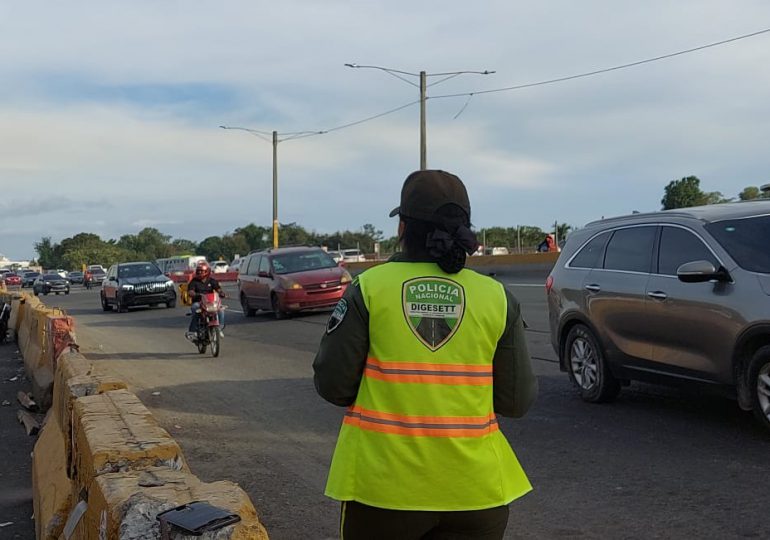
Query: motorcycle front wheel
x=214 y=340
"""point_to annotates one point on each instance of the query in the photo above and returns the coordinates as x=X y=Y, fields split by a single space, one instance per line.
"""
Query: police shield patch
x=433 y=308
x=337 y=316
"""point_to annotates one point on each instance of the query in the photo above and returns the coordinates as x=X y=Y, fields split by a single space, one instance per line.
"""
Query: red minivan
x=288 y=280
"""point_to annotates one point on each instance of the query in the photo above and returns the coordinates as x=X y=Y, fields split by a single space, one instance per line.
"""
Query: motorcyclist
x=202 y=283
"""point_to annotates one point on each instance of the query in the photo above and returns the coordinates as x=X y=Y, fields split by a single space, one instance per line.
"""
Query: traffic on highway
x=250 y=413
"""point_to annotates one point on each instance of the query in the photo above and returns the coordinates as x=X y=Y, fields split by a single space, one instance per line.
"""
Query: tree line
x=686 y=192
x=151 y=244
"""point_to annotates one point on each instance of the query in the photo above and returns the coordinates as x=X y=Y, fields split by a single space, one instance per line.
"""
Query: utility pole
x=275 y=140
x=275 y=189
x=423 y=135
x=423 y=86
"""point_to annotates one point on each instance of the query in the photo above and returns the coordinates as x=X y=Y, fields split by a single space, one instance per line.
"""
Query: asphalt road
x=657 y=463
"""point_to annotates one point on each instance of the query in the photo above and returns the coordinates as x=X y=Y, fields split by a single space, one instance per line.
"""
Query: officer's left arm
x=515 y=386
x=339 y=363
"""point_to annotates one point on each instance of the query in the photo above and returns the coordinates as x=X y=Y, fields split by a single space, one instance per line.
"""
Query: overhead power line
x=605 y=70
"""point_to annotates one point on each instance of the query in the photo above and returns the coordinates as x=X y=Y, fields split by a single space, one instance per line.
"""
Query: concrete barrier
x=102 y=466
x=125 y=505
x=54 y=490
x=486 y=263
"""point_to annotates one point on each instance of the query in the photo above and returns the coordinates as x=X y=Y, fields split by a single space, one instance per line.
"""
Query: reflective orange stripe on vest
x=418 y=372
x=417 y=426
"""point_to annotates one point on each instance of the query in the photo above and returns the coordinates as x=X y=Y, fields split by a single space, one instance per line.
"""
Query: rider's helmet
x=203 y=270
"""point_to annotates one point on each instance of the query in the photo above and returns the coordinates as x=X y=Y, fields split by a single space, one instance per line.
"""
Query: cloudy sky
x=109 y=111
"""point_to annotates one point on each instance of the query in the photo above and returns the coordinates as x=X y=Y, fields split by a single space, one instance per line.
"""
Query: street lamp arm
x=389 y=70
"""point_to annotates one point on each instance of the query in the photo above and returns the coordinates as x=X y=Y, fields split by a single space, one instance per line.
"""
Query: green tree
x=752 y=192
x=683 y=193
x=47 y=255
x=182 y=246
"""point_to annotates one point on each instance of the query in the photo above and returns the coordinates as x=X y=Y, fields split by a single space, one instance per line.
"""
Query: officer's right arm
x=339 y=364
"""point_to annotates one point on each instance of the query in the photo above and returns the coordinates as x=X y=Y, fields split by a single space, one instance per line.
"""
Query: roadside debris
x=13 y=379
x=6 y=524
x=26 y=401
x=5 y=403
x=30 y=424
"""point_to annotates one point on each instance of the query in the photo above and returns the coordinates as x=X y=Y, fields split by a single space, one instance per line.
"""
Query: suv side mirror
x=262 y=273
x=701 y=272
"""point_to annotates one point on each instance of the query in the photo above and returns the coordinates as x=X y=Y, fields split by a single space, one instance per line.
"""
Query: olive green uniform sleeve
x=341 y=358
x=515 y=386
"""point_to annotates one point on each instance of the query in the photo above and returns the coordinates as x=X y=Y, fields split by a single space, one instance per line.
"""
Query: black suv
x=675 y=296
x=136 y=284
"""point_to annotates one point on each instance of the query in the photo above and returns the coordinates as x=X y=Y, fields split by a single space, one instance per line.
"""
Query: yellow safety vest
x=422 y=433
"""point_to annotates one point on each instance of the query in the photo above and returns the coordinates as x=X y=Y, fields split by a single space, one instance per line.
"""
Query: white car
x=235 y=266
x=219 y=267
x=352 y=255
x=336 y=255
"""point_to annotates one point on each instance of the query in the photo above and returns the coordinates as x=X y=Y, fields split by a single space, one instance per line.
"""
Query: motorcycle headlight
x=211 y=309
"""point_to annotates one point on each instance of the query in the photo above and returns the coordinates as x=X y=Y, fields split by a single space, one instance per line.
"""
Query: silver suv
x=668 y=296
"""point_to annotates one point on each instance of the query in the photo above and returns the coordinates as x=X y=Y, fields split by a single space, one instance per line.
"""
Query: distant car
x=499 y=251
x=219 y=267
x=336 y=255
x=93 y=267
x=75 y=277
x=235 y=266
x=12 y=279
x=136 y=284
x=352 y=255
x=287 y=280
x=29 y=278
x=97 y=275
x=50 y=283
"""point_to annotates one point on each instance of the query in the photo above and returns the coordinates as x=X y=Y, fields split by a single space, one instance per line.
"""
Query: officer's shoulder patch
x=337 y=316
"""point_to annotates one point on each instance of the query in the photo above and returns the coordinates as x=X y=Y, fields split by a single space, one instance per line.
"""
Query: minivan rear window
x=630 y=250
x=746 y=240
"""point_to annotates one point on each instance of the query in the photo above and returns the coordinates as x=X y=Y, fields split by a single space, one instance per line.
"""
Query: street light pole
x=275 y=189
x=263 y=135
x=423 y=141
x=423 y=86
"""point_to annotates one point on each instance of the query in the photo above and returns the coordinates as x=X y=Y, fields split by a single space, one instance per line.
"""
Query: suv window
x=251 y=265
x=746 y=241
x=679 y=246
x=630 y=250
x=589 y=255
x=264 y=265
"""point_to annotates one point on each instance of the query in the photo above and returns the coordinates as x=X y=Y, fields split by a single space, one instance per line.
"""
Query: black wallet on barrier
x=197 y=518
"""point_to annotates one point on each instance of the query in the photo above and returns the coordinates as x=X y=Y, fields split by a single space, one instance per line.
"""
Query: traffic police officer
x=425 y=354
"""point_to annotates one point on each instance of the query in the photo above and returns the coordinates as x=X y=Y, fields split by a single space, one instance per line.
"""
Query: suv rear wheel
x=759 y=377
x=587 y=366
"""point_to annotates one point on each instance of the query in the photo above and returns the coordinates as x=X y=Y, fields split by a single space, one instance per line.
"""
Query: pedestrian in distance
x=425 y=354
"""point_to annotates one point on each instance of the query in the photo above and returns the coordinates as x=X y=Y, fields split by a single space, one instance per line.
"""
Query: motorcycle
x=208 y=323
x=5 y=315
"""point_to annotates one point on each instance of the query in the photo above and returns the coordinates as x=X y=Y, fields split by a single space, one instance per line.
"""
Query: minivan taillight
x=548 y=284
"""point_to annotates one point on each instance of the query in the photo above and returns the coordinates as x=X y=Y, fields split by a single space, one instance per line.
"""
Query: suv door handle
x=593 y=287
x=657 y=295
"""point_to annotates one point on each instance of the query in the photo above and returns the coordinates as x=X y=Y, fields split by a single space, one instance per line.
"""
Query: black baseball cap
x=424 y=192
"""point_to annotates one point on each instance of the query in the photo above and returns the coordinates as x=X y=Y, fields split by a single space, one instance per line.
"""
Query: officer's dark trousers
x=361 y=522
